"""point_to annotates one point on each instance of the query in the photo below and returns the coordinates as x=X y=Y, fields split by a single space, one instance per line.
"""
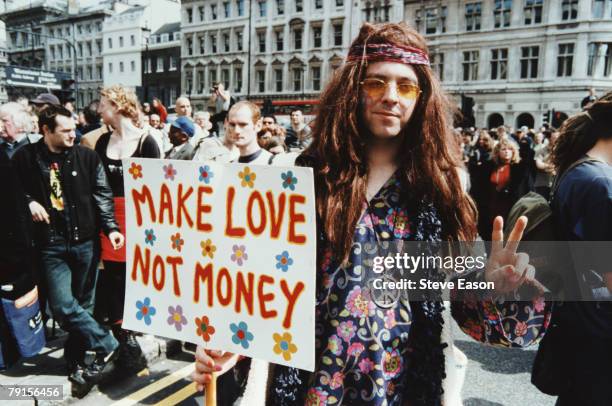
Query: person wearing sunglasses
x=385 y=167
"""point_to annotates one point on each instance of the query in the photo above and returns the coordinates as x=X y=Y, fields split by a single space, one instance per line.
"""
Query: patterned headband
x=388 y=53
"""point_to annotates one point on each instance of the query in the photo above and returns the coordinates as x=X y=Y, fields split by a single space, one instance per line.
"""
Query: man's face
x=203 y=121
x=9 y=131
x=177 y=137
x=241 y=128
x=296 y=117
x=386 y=112
x=64 y=135
x=154 y=121
x=183 y=107
x=268 y=123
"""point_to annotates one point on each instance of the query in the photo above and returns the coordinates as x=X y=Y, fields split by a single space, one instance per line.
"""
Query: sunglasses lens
x=374 y=87
x=408 y=90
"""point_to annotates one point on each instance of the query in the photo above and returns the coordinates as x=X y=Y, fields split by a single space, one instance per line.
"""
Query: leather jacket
x=88 y=198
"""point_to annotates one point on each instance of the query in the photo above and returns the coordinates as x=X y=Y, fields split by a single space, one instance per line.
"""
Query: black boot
x=131 y=359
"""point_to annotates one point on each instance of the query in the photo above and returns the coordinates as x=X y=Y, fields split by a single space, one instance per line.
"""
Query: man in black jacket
x=70 y=200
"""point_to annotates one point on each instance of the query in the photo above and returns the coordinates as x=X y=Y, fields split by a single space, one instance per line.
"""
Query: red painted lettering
x=181 y=206
x=292 y=298
x=267 y=297
x=295 y=218
x=230 y=230
x=140 y=198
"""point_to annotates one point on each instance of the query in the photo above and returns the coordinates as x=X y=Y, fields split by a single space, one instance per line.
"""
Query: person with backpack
x=582 y=211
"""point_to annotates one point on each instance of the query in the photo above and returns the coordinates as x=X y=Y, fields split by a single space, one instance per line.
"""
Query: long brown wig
x=428 y=167
x=580 y=133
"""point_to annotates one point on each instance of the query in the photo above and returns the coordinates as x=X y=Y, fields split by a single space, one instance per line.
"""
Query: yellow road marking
x=156 y=386
x=179 y=396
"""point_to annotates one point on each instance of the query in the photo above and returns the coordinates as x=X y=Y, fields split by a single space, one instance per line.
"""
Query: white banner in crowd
x=223 y=256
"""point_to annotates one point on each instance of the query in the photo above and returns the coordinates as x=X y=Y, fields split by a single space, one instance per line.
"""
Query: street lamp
x=74 y=56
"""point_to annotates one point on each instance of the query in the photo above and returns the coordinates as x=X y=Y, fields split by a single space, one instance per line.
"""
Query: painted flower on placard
x=177 y=242
x=150 y=237
x=176 y=317
x=283 y=345
x=241 y=335
x=289 y=181
x=346 y=330
x=208 y=249
x=316 y=397
x=145 y=310
x=239 y=254
x=135 y=170
x=203 y=328
x=284 y=261
x=366 y=365
x=169 y=172
x=247 y=177
x=206 y=174
x=334 y=344
x=391 y=363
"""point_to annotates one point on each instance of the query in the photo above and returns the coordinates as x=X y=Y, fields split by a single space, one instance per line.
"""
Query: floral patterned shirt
x=363 y=350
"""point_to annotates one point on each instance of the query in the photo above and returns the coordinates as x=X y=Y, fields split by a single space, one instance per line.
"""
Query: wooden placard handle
x=211 y=391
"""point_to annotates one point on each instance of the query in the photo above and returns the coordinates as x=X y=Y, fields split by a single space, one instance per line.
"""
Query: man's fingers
x=516 y=234
x=521 y=261
x=497 y=237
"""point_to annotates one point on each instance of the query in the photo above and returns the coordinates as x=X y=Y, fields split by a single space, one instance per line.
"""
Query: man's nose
x=390 y=95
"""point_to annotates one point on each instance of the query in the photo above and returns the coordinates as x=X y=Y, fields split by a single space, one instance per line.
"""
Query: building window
x=593 y=48
x=278 y=79
x=99 y=72
x=608 y=60
x=121 y=67
x=502 y=13
x=240 y=7
x=213 y=11
x=201 y=12
x=318 y=4
x=316 y=36
x=437 y=64
x=89 y=73
x=133 y=66
x=280 y=7
x=79 y=29
x=189 y=15
x=110 y=42
x=338 y=34
x=132 y=40
x=263 y=9
x=160 y=64
x=189 y=81
x=279 y=40
x=297 y=38
x=470 y=65
x=239 y=40
x=79 y=50
x=213 y=43
x=225 y=78
x=533 y=11
x=212 y=76
x=299 y=6
x=435 y=20
x=88 y=45
x=189 y=46
x=226 y=42
x=200 y=81
x=261 y=81
x=472 y=16
x=226 y=9
x=172 y=63
x=565 y=60
x=202 y=42
x=529 y=62
x=261 y=39
x=339 y=3
x=316 y=78
x=297 y=79
x=120 y=42
x=499 y=64
x=569 y=10
x=598 y=8
x=147 y=65
x=237 y=79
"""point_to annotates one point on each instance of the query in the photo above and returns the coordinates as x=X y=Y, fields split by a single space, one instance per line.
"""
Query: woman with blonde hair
x=120 y=109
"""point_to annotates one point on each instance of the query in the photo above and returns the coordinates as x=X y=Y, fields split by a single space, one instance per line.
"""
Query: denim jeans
x=71 y=272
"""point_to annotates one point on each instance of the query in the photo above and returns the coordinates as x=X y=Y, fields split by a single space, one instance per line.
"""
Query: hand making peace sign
x=507 y=268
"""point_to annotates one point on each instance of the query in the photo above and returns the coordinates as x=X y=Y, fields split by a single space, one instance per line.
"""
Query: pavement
x=49 y=368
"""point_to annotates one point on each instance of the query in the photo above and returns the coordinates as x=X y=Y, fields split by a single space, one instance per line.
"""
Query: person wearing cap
x=44 y=100
x=181 y=131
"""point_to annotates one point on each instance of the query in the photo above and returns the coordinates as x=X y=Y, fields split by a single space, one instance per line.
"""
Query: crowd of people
x=387 y=165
